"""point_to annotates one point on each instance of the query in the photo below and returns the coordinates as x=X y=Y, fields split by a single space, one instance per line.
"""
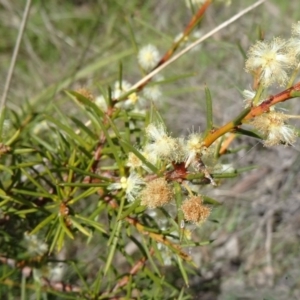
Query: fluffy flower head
x=34 y=246
x=148 y=57
x=163 y=146
x=271 y=60
x=272 y=126
x=131 y=185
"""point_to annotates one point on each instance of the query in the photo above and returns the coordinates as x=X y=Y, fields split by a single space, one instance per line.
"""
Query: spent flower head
x=271 y=60
x=194 y=211
x=148 y=57
x=272 y=125
x=156 y=193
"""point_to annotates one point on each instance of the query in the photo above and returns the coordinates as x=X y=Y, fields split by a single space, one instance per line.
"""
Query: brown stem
x=254 y=112
x=272 y=100
x=134 y=270
x=193 y=22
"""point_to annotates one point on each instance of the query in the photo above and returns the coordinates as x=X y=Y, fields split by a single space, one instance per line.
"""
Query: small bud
x=85 y=93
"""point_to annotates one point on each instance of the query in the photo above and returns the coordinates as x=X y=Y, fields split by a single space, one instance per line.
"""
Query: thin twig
x=14 y=56
x=188 y=48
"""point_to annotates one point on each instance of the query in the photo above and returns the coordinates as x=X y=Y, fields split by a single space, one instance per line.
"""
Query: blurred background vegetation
x=72 y=44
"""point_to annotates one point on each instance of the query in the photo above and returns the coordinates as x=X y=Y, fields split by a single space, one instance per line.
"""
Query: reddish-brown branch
x=272 y=100
x=254 y=112
x=134 y=270
x=193 y=22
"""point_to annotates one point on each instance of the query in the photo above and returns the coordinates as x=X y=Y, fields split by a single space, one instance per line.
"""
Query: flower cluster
x=270 y=63
x=273 y=62
x=162 y=150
